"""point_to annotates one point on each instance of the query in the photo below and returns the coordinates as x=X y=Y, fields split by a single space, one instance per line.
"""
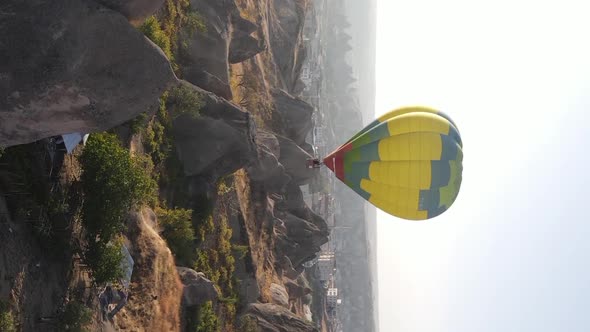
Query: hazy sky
x=513 y=252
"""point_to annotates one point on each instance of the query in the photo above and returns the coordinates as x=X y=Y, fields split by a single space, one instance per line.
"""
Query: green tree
x=105 y=260
x=113 y=181
x=151 y=28
x=194 y=22
x=178 y=231
x=75 y=318
x=208 y=320
x=184 y=100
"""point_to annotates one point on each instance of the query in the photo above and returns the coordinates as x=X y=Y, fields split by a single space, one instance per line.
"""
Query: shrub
x=194 y=22
x=156 y=142
x=137 y=124
x=6 y=318
x=177 y=230
x=113 y=181
x=105 y=260
x=75 y=318
x=185 y=101
x=241 y=250
x=208 y=320
x=151 y=28
x=225 y=185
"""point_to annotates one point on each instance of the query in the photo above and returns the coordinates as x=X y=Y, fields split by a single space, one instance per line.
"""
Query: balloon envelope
x=407 y=163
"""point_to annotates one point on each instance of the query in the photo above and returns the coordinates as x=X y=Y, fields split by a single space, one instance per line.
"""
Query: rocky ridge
x=82 y=66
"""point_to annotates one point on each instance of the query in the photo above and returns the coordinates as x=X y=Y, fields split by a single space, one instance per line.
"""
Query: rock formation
x=286 y=40
x=279 y=295
x=243 y=46
x=268 y=169
x=219 y=142
x=73 y=66
x=294 y=159
x=299 y=240
x=296 y=115
x=295 y=204
x=197 y=288
x=275 y=318
x=285 y=266
x=205 y=59
x=134 y=10
x=296 y=291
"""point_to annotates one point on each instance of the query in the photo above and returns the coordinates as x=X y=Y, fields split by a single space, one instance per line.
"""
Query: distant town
x=320 y=31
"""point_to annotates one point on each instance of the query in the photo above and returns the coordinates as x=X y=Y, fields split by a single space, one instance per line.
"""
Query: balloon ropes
x=407 y=163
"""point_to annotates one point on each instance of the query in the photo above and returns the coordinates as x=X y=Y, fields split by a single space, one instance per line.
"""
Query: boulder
x=301 y=241
x=134 y=10
x=296 y=115
x=73 y=66
x=269 y=141
x=241 y=25
x=267 y=169
x=286 y=39
x=207 y=51
x=274 y=318
x=294 y=159
x=296 y=291
x=279 y=295
x=295 y=204
x=244 y=47
x=219 y=142
x=209 y=82
x=197 y=288
x=285 y=266
x=249 y=290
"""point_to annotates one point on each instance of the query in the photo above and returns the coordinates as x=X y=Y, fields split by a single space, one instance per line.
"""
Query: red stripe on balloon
x=335 y=160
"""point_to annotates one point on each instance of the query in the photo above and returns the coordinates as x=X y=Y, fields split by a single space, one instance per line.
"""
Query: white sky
x=512 y=253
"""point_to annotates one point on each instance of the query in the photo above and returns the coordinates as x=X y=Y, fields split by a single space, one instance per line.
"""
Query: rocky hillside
x=155 y=286
x=197 y=101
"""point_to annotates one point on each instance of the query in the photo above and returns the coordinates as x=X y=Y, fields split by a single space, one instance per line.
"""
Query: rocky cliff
x=73 y=66
x=83 y=66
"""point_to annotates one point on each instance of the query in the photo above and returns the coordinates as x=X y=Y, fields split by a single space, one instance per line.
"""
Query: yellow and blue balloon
x=407 y=163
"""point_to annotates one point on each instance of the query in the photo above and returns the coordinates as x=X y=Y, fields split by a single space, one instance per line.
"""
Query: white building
x=332 y=297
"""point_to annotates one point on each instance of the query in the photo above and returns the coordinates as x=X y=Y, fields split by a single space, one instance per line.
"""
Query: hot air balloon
x=407 y=163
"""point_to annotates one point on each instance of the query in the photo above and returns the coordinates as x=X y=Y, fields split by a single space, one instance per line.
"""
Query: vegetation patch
x=75 y=318
x=177 y=230
x=104 y=259
x=185 y=100
x=7 y=323
x=113 y=181
x=165 y=27
x=218 y=264
x=158 y=142
x=152 y=29
x=203 y=319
